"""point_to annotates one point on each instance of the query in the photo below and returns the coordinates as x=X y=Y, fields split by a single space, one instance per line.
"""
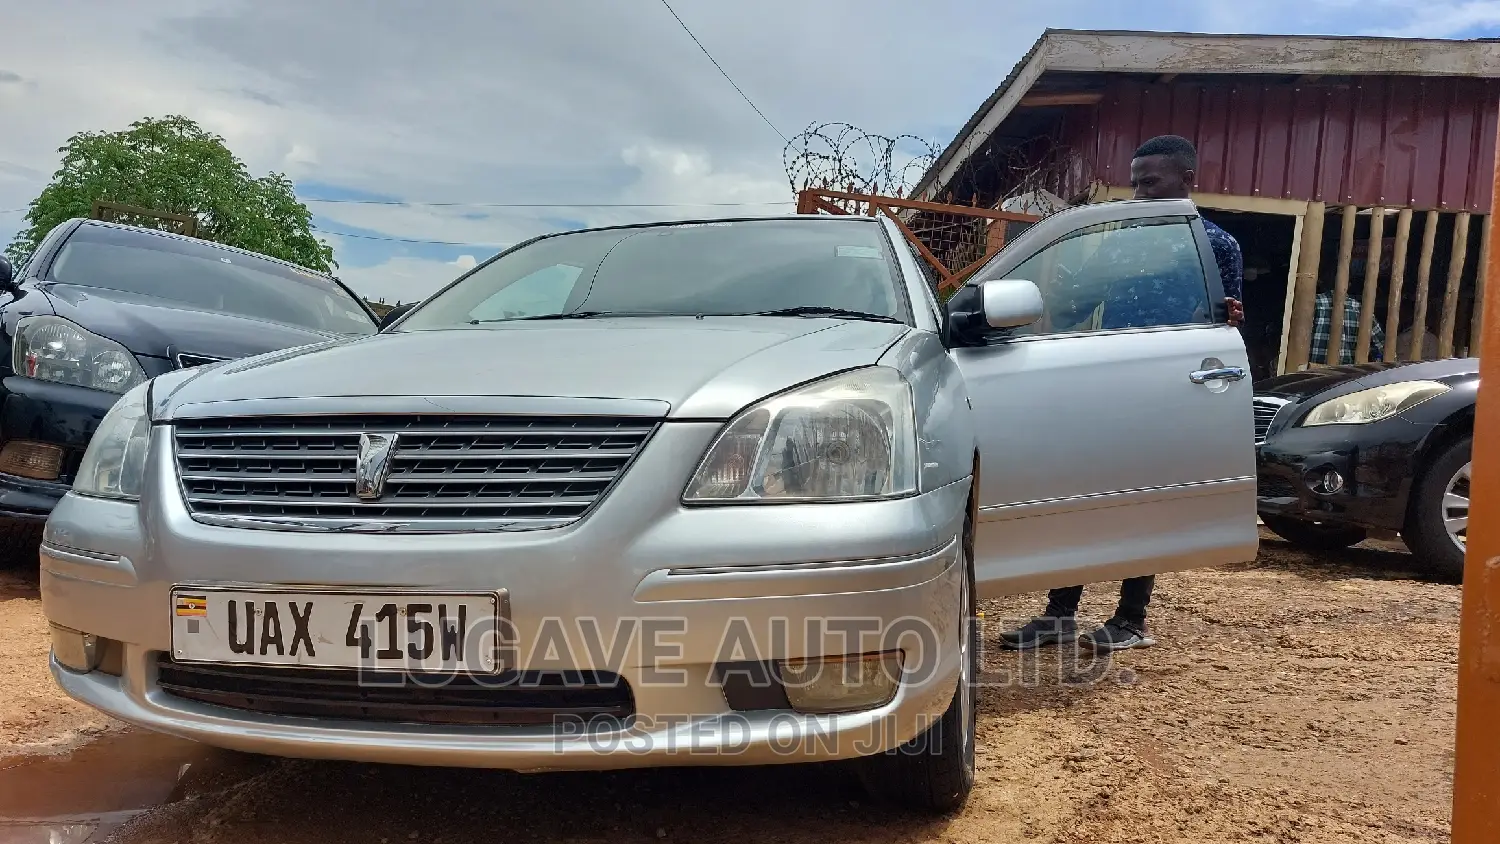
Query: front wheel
x=934 y=772
x=1437 y=521
x=1315 y=536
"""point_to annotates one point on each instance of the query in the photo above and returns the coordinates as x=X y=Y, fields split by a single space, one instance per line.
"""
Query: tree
x=172 y=164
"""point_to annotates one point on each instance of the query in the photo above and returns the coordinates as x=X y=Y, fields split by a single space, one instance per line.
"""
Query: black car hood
x=1300 y=385
x=156 y=327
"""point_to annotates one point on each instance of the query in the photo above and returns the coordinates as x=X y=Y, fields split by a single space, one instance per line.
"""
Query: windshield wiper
x=569 y=315
x=819 y=310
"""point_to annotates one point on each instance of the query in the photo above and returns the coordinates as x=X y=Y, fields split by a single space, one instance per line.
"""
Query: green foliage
x=171 y=164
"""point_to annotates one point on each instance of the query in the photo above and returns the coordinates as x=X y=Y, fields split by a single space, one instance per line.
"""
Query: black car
x=101 y=307
x=1351 y=451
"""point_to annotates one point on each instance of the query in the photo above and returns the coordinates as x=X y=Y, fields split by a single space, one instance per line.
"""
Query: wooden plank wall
x=1442 y=287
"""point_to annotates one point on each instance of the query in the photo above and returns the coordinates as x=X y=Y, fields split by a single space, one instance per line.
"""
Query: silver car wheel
x=966 y=671
x=1456 y=507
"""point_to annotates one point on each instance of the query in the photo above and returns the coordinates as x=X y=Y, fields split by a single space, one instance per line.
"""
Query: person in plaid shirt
x=1349 y=333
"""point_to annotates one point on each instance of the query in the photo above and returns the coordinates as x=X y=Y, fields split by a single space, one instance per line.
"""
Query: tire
x=1314 y=536
x=19 y=543
x=934 y=773
x=1426 y=532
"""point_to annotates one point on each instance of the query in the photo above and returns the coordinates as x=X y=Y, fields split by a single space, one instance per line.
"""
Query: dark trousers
x=1135 y=594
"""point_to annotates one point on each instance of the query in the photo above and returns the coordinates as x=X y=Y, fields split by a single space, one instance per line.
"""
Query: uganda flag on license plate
x=192 y=606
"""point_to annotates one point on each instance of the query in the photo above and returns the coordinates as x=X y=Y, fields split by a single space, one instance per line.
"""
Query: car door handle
x=1223 y=373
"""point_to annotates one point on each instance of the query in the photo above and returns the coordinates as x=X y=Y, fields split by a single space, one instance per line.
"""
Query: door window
x=1130 y=274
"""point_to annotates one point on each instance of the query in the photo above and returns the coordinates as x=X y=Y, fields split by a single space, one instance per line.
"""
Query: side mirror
x=7 y=275
x=1011 y=303
x=395 y=313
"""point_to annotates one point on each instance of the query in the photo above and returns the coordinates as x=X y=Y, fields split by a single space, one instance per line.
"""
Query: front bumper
x=784 y=574
x=1377 y=463
x=56 y=414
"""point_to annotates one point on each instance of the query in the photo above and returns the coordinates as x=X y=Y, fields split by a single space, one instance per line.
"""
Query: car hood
x=702 y=368
x=156 y=327
x=1301 y=385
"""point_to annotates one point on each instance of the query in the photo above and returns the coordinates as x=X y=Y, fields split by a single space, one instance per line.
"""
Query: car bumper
x=784 y=574
x=61 y=415
x=1376 y=462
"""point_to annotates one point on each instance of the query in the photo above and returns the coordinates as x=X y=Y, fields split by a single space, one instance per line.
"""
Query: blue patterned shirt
x=1229 y=258
x=1148 y=280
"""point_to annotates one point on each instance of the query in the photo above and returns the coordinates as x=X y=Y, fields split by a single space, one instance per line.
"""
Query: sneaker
x=1117 y=635
x=1040 y=631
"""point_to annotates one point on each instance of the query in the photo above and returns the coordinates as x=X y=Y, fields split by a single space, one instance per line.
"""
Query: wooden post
x=1372 y=279
x=1476 y=773
x=1341 y=288
x=1424 y=274
x=1476 y=323
x=1398 y=278
x=1457 y=257
x=1293 y=261
x=1299 y=339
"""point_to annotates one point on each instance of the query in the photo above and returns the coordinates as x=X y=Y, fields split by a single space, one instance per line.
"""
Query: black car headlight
x=51 y=348
x=1373 y=404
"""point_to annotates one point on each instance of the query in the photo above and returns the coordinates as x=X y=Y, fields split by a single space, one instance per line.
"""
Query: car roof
x=143 y=230
x=701 y=221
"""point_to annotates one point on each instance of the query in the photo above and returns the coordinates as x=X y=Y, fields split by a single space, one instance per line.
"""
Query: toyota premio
x=701 y=493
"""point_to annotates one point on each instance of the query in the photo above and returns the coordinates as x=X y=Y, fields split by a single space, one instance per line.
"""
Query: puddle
x=79 y=796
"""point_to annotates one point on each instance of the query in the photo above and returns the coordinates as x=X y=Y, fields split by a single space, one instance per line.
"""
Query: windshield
x=200 y=275
x=692 y=269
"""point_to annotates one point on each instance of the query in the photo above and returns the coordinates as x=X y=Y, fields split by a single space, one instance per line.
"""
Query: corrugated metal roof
x=1110 y=51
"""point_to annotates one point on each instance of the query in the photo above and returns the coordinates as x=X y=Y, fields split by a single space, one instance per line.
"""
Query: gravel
x=1293 y=699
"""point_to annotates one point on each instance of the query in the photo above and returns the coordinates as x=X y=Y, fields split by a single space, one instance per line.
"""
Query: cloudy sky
x=526 y=116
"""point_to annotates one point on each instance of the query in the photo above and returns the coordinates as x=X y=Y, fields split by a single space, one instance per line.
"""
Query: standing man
x=1162 y=168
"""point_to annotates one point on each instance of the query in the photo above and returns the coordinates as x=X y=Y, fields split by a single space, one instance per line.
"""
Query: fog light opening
x=1327 y=481
x=38 y=461
x=74 y=650
x=846 y=683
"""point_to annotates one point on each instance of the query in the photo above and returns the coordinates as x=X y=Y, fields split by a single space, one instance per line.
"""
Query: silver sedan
x=715 y=493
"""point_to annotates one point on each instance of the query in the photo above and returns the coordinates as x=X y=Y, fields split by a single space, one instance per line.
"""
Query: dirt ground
x=1293 y=699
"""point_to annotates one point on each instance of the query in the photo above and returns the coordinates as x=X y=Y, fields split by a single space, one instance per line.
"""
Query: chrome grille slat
x=384 y=429
x=448 y=473
x=404 y=478
x=390 y=505
x=1265 y=410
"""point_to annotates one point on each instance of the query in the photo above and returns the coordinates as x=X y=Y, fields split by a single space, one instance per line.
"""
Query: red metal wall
x=1395 y=141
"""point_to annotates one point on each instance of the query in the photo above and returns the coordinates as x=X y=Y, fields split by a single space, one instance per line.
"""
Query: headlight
x=53 y=349
x=845 y=438
x=115 y=461
x=1373 y=404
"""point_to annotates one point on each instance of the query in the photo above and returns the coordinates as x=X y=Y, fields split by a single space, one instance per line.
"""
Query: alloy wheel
x=965 y=675
x=1456 y=507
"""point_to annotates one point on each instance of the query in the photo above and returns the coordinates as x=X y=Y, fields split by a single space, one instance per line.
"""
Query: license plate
x=426 y=632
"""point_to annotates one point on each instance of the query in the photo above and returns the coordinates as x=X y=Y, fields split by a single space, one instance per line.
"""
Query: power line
x=401 y=239
x=399 y=202
x=721 y=70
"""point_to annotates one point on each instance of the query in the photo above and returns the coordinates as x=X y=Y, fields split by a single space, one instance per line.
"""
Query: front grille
x=447 y=473
x=514 y=699
x=1274 y=486
x=1265 y=413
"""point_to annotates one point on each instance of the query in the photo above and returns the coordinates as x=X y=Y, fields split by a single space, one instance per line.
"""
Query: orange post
x=1476 y=776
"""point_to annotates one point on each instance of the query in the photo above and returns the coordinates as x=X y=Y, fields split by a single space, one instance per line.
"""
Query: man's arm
x=1231 y=263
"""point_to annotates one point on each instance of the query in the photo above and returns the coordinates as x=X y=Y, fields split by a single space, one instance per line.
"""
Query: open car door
x=1116 y=434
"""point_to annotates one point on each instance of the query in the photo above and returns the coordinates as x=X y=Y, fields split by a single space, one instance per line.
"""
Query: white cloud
x=403 y=278
x=566 y=101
